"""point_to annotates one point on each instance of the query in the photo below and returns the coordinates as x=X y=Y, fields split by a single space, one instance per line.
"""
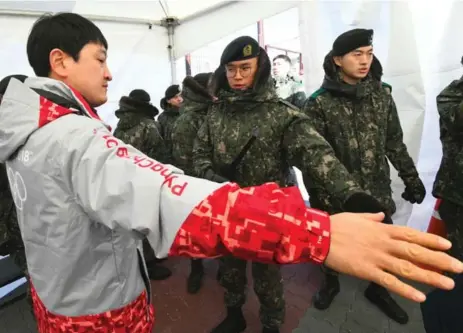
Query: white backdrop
x=419 y=45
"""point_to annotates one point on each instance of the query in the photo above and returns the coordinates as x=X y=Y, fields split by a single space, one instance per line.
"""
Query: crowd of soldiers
x=245 y=125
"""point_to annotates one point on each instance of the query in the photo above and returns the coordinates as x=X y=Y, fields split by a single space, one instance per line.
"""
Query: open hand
x=377 y=252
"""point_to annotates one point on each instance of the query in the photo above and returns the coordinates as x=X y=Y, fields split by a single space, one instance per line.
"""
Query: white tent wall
x=199 y=31
x=207 y=58
x=138 y=58
x=419 y=58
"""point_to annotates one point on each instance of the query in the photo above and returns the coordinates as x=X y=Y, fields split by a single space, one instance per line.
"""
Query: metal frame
x=101 y=18
x=286 y=51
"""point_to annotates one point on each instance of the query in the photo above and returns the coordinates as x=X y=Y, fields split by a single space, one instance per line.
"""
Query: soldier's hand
x=377 y=252
x=415 y=191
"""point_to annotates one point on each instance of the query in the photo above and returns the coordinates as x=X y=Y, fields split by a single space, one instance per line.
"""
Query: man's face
x=280 y=67
x=355 y=65
x=240 y=74
x=176 y=101
x=89 y=75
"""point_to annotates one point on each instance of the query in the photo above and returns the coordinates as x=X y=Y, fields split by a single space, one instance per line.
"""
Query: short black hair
x=68 y=32
x=284 y=57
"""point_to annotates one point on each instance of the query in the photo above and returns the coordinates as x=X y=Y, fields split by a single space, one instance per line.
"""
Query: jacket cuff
x=319 y=235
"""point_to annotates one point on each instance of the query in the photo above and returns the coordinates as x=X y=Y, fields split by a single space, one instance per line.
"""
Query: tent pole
x=170 y=23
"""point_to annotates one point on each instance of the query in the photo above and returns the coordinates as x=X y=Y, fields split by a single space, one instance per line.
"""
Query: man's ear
x=58 y=62
x=337 y=60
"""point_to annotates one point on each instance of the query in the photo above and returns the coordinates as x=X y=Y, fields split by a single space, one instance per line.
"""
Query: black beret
x=140 y=95
x=241 y=48
x=351 y=40
x=172 y=91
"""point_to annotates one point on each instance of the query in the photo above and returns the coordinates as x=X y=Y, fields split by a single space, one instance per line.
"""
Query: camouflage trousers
x=452 y=215
x=268 y=286
x=14 y=245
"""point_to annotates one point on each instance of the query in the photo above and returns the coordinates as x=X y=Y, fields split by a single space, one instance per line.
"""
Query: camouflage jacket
x=196 y=101
x=284 y=137
x=137 y=127
x=6 y=210
x=11 y=241
x=449 y=180
x=290 y=90
x=362 y=125
x=165 y=124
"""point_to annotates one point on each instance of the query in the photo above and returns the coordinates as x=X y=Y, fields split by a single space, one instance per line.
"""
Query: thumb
x=376 y=217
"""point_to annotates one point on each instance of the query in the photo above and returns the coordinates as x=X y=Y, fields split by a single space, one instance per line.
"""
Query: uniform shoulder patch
x=317 y=93
x=288 y=104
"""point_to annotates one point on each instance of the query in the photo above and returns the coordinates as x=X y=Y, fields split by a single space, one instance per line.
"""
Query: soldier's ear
x=337 y=61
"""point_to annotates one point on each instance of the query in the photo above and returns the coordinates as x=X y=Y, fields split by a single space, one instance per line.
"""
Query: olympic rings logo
x=17 y=187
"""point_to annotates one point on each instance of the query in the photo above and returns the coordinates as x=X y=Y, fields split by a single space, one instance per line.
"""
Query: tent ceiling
x=152 y=11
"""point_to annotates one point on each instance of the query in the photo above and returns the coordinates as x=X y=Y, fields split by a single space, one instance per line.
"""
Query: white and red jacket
x=85 y=200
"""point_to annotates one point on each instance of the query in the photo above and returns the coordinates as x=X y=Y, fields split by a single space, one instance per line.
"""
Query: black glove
x=213 y=177
x=414 y=190
x=363 y=203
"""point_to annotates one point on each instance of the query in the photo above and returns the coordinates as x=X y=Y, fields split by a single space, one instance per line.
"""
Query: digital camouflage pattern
x=449 y=180
x=291 y=90
x=196 y=101
x=268 y=286
x=362 y=125
x=137 y=127
x=452 y=215
x=135 y=317
x=165 y=124
x=10 y=234
x=448 y=184
x=285 y=137
x=6 y=206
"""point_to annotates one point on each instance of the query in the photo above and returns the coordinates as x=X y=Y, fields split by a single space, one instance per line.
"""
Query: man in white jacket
x=85 y=200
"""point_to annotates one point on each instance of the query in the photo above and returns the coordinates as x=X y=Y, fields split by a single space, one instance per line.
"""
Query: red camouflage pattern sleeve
x=264 y=223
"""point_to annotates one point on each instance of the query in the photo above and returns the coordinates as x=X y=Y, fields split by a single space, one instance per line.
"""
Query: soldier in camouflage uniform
x=287 y=87
x=196 y=101
x=276 y=135
x=449 y=179
x=355 y=112
x=137 y=127
x=10 y=235
x=6 y=205
x=170 y=103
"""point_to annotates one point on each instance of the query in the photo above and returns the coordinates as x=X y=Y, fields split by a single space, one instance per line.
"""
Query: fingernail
x=457 y=266
x=447 y=282
x=419 y=297
x=445 y=242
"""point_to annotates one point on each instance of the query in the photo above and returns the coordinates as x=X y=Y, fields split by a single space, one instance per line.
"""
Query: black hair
x=68 y=32
x=284 y=57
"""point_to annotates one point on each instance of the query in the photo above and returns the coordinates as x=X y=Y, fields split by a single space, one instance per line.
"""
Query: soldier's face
x=356 y=64
x=176 y=101
x=240 y=74
x=280 y=67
